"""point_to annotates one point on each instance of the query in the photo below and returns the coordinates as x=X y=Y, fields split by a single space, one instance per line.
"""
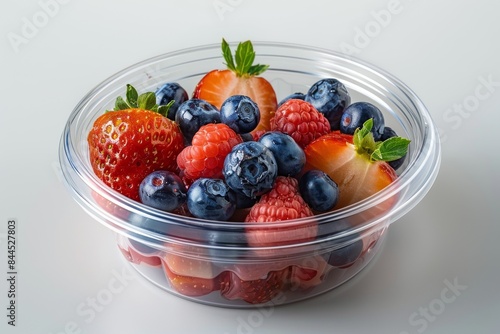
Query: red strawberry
x=301 y=121
x=356 y=163
x=109 y=206
x=126 y=145
x=256 y=291
x=138 y=254
x=241 y=78
x=281 y=203
x=187 y=274
x=257 y=134
x=190 y=285
x=209 y=147
x=308 y=273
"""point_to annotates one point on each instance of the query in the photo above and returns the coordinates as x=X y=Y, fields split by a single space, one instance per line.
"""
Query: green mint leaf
x=146 y=101
x=391 y=149
x=244 y=58
x=132 y=96
x=120 y=104
x=228 y=55
x=164 y=108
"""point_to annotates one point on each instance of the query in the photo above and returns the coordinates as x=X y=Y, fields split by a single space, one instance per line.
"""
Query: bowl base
x=332 y=279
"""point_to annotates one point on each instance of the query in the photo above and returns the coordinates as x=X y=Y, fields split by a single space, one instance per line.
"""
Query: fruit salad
x=232 y=152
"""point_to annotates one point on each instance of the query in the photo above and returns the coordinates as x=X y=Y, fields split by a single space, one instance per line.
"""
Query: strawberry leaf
x=228 y=55
x=147 y=101
x=244 y=57
x=132 y=96
x=363 y=139
x=242 y=63
x=257 y=69
x=361 y=133
x=164 y=108
x=120 y=104
x=391 y=149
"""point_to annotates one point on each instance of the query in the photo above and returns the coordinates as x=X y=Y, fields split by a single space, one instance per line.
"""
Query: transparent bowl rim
x=427 y=159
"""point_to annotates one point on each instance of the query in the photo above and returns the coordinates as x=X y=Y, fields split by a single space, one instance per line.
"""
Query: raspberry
x=301 y=121
x=256 y=291
x=283 y=202
x=209 y=147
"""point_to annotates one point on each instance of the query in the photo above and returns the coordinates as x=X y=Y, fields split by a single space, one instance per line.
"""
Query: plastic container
x=210 y=262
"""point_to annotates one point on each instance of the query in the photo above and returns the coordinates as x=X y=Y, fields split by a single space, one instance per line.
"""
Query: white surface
x=444 y=50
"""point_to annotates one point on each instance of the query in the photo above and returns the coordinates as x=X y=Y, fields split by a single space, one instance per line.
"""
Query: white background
x=444 y=50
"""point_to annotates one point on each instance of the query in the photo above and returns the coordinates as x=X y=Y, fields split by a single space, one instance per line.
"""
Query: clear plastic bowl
x=209 y=261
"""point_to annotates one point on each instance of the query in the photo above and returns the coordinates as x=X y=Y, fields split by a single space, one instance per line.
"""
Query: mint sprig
x=388 y=150
x=146 y=101
x=391 y=149
x=242 y=62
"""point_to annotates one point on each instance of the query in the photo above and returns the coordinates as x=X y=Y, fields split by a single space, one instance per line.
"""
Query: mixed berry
x=163 y=190
x=231 y=152
x=240 y=113
x=171 y=91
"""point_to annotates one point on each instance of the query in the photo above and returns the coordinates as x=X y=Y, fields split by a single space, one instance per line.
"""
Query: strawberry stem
x=146 y=101
x=363 y=139
x=388 y=150
x=242 y=63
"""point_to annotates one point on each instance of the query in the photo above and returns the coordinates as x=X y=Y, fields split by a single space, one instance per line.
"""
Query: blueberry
x=389 y=133
x=150 y=225
x=250 y=169
x=171 y=229
x=319 y=191
x=288 y=154
x=240 y=113
x=163 y=190
x=226 y=236
x=358 y=113
x=330 y=97
x=168 y=92
x=193 y=114
x=247 y=137
x=346 y=255
x=226 y=242
x=346 y=249
x=297 y=95
x=211 y=199
x=243 y=201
